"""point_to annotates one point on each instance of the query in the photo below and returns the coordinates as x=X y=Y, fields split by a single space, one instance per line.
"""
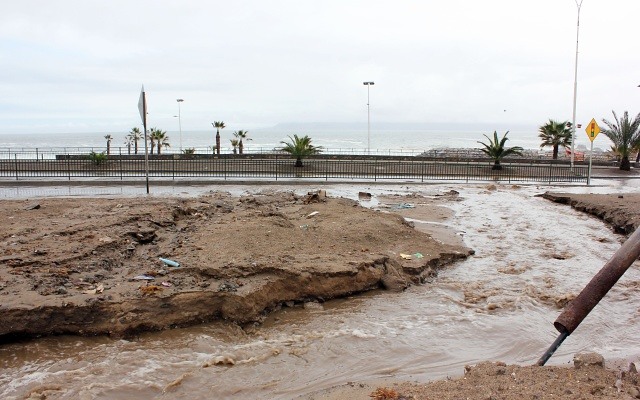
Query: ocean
x=332 y=139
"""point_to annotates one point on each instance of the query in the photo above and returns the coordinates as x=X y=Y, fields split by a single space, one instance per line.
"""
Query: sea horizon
x=341 y=137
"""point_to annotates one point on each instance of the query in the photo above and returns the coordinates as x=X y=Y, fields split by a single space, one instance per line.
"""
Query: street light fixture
x=368 y=85
x=575 y=87
x=180 y=122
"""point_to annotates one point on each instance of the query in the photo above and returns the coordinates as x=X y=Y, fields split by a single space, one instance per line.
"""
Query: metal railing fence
x=50 y=153
x=279 y=167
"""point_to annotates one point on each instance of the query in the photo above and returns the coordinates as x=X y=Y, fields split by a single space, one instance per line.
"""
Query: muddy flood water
x=497 y=305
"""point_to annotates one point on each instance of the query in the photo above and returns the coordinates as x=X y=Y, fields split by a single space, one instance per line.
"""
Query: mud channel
x=531 y=257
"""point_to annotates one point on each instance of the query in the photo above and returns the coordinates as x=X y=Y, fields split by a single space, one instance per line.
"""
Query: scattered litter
x=170 y=263
x=313 y=214
x=98 y=289
x=143 y=278
x=405 y=256
x=166 y=284
x=151 y=289
x=418 y=255
x=305 y=226
x=402 y=206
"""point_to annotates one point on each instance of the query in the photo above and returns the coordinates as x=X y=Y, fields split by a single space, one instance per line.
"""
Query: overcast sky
x=77 y=66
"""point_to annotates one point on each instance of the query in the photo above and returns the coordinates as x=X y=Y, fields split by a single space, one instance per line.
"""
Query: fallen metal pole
x=552 y=349
x=596 y=289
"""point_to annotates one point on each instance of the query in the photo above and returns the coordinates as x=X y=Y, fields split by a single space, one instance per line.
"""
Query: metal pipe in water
x=578 y=309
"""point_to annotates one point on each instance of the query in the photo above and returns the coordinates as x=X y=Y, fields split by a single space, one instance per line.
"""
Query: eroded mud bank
x=92 y=266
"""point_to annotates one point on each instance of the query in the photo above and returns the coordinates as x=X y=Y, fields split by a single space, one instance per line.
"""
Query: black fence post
x=375 y=169
x=69 y=166
x=326 y=169
x=468 y=171
x=16 y=164
x=120 y=151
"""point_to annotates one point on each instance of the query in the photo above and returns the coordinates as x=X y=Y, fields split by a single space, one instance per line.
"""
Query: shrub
x=97 y=158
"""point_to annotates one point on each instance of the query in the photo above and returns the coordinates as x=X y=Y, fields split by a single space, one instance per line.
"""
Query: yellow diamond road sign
x=592 y=129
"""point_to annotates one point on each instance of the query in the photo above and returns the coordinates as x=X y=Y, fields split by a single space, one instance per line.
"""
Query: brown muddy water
x=497 y=305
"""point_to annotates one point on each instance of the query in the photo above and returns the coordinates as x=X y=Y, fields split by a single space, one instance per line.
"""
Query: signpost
x=142 y=107
x=592 y=131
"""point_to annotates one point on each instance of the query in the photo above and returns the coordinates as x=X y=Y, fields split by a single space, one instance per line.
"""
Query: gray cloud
x=78 y=65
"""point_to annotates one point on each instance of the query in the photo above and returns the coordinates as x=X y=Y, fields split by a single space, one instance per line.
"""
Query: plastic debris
x=418 y=255
x=166 y=284
x=313 y=214
x=403 y=206
x=170 y=263
x=98 y=289
x=405 y=256
x=143 y=278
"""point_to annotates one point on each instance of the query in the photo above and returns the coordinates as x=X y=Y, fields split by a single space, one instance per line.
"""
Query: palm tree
x=555 y=134
x=109 y=139
x=218 y=125
x=152 y=139
x=152 y=142
x=625 y=135
x=300 y=147
x=135 y=136
x=234 y=144
x=160 y=138
x=128 y=142
x=496 y=150
x=241 y=135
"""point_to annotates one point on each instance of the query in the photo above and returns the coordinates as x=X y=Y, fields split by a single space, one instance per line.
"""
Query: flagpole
x=142 y=107
x=575 y=88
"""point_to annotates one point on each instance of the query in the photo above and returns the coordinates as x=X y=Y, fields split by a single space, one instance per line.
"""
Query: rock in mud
x=588 y=359
x=33 y=206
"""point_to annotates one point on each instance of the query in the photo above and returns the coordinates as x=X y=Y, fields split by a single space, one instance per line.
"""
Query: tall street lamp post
x=180 y=122
x=575 y=87
x=368 y=85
